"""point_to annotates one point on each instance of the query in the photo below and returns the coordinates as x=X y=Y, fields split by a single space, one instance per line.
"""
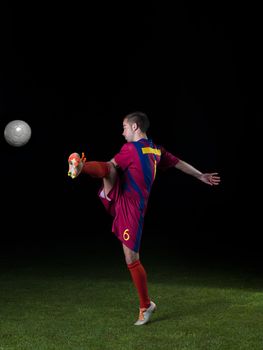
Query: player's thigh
x=110 y=180
x=130 y=255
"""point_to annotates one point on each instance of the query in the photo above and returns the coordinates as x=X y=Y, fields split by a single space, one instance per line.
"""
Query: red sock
x=96 y=169
x=139 y=278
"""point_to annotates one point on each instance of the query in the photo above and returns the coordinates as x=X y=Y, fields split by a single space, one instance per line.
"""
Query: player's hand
x=211 y=179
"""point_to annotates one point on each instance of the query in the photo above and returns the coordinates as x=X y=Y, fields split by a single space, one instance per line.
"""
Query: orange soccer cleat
x=75 y=164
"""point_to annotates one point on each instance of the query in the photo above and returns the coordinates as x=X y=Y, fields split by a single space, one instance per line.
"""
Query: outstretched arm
x=208 y=178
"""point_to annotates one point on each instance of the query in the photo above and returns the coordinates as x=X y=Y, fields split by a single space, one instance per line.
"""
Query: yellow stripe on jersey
x=146 y=150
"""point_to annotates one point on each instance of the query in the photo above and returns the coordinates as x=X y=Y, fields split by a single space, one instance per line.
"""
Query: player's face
x=128 y=133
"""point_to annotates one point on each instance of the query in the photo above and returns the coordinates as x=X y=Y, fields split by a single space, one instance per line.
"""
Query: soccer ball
x=17 y=133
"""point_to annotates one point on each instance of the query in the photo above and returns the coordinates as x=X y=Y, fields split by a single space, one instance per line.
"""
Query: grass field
x=89 y=302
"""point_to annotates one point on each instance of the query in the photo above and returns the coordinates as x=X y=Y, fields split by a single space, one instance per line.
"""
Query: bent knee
x=131 y=259
x=112 y=169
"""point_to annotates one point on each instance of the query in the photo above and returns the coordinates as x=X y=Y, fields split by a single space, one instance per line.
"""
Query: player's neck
x=140 y=136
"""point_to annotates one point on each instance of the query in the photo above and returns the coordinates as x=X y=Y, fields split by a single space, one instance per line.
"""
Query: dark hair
x=140 y=118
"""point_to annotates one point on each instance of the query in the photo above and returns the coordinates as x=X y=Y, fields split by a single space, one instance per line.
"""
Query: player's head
x=135 y=124
x=140 y=119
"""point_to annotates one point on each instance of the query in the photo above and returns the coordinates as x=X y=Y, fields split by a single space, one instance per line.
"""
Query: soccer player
x=127 y=181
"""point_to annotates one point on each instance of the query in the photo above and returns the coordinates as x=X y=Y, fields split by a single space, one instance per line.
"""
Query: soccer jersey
x=128 y=199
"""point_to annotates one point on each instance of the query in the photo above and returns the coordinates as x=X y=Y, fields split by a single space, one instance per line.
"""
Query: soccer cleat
x=145 y=314
x=75 y=164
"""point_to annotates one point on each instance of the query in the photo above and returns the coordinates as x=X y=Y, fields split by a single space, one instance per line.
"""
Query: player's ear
x=134 y=126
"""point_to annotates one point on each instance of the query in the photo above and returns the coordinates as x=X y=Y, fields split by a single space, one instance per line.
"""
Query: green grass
x=90 y=303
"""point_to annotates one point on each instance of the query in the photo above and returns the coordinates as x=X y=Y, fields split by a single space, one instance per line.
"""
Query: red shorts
x=128 y=214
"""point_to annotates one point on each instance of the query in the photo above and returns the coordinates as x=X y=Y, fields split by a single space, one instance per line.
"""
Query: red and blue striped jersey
x=139 y=161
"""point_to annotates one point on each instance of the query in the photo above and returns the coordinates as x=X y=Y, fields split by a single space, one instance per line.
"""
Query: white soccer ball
x=17 y=133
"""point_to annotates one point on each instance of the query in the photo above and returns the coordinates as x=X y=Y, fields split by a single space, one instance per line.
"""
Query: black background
x=73 y=71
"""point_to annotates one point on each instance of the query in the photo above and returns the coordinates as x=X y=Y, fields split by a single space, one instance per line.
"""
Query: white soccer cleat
x=145 y=314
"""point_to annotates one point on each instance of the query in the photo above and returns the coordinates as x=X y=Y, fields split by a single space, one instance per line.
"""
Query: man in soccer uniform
x=127 y=182
x=127 y=200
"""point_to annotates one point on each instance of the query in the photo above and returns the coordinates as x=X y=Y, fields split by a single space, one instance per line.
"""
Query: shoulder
x=127 y=147
x=160 y=148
